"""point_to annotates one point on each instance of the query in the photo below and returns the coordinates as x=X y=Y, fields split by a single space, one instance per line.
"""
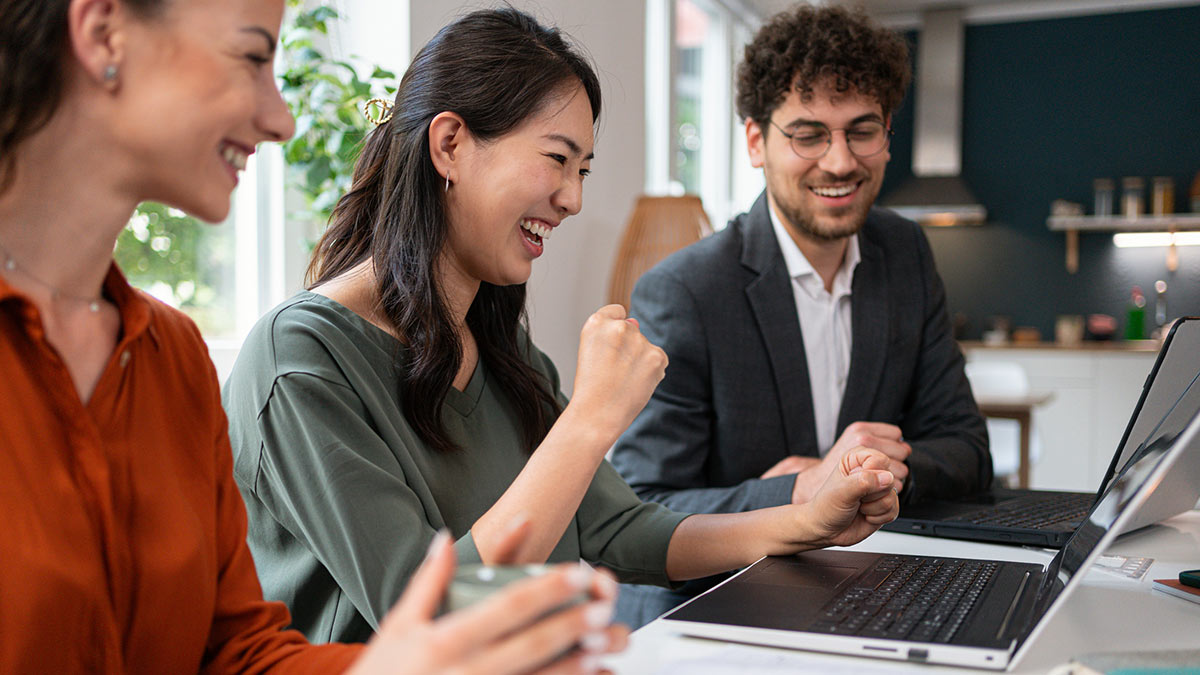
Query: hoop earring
x=447 y=181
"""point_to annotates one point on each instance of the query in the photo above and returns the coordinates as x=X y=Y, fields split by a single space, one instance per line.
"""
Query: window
x=223 y=276
x=226 y=276
x=703 y=151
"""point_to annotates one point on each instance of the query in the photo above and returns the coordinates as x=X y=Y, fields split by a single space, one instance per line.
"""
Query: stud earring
x=110 y=74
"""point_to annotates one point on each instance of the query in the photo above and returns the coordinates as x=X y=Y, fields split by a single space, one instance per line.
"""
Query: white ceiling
x=907 y=13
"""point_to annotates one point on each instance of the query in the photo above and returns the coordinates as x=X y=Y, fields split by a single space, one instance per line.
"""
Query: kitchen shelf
x=1178 y=221
x=1073 y=225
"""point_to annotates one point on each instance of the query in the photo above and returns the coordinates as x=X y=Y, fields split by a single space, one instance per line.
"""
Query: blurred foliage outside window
x=189 y=264
x=185 y=263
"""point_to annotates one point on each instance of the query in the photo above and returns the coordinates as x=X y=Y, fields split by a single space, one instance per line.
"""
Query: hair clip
x=384 y=114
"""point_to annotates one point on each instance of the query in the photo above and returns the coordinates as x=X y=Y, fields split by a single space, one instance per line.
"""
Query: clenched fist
x=855 y=500
x=617 y=370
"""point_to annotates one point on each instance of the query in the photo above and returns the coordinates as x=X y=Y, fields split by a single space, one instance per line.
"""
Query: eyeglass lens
x=812 y=141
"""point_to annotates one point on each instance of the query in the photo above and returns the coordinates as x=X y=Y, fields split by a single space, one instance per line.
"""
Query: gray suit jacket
x=736 y=396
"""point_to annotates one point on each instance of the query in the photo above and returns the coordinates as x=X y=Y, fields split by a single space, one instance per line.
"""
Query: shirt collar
x=799 y=267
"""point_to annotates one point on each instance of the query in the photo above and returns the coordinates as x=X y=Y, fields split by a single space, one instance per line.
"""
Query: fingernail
x=886 y=479
x=595 y=642
x=439 y=540
x=598 y=614
x=590 y=663
x=579 y=576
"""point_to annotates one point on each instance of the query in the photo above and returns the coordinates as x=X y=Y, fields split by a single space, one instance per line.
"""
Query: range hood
x=937 y=195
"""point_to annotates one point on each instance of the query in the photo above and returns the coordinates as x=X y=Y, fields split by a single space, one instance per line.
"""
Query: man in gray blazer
x=812 y=324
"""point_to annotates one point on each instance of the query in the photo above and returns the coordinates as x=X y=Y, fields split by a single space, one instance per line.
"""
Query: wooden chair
x=657 y=227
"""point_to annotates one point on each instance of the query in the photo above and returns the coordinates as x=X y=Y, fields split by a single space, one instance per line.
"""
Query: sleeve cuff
x=465 y=550
x=776 y=491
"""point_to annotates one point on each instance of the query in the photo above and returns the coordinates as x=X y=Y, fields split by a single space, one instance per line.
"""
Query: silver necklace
x=11 y=265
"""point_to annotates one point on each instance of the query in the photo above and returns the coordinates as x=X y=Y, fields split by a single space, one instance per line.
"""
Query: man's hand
x=812 y=473
x=791 y=464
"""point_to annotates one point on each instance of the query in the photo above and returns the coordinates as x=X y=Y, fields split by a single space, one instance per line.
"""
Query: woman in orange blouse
x=125 y=544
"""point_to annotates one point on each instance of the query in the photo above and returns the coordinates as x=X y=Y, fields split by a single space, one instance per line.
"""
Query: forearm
x=549 y=489
x=707 y=544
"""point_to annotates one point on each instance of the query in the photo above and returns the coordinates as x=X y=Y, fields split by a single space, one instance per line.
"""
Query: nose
x=273 y=118
x=569 y=197
x=839 y=161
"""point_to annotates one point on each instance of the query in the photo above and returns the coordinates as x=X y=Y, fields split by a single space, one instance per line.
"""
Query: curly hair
x=807 y=46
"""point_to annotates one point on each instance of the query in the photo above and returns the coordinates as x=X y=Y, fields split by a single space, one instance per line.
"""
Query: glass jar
x=1162 y=196
x=1133 y=189
x=1103 y=188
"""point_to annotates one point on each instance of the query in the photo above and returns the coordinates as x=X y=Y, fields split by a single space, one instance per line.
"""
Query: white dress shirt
x=825 y=325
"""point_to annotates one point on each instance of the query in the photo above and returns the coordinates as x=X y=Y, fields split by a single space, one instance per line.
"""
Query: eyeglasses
x=812 y=140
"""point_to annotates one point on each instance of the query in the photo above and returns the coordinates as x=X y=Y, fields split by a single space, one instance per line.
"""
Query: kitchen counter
x=1086 y=346
x=1094 y=388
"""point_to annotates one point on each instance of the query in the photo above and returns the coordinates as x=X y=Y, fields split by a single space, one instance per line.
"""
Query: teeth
x=536 y=228
x=236 y=158
x=841 y=191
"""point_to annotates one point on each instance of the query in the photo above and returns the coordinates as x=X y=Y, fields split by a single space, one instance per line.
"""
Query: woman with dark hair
x=401 y=394
x=125 y=546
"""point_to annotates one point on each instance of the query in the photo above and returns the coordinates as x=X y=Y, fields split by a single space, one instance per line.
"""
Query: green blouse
x=343 y=497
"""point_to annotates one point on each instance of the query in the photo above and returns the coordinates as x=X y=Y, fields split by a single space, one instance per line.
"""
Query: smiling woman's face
x=510 y=193
x=196 y=94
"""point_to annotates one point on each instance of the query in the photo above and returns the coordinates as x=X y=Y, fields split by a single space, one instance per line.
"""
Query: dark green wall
x=1049 y=106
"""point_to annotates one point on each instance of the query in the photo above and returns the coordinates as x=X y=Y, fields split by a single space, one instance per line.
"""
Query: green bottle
x=1135 y=317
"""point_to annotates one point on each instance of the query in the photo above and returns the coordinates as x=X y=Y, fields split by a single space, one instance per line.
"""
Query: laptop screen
x=1174 y=372
x=1142 y=462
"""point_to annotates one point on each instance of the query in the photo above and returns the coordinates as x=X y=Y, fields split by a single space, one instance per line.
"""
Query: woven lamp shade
x=658 y=227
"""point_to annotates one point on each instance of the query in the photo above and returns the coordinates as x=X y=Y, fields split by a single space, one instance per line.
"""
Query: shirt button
x=125 y=355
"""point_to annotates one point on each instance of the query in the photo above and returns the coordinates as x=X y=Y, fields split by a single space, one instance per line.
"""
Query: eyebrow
x=574 y=147
x=871 y=117
x=266 y=35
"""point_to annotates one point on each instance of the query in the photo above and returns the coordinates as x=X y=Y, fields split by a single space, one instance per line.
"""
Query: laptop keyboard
x=1044 y=511
x=913 y=598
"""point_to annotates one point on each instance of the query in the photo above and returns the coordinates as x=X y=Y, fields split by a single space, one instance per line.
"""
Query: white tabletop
x=1109 y=612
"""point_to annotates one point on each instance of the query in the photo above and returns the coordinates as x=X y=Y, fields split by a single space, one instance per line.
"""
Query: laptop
x=964 y=612
x=1048 y=517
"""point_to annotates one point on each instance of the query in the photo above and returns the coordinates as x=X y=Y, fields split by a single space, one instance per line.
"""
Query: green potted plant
x=186 y=263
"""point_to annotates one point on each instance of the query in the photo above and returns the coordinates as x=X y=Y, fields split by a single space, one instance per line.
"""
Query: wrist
x=793 y=531
x=585 y=429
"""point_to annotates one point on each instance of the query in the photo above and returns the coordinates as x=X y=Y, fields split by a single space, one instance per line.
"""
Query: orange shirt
x=123 y=546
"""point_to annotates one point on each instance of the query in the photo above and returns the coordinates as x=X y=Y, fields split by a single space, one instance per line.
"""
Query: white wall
x=570 y=280
x=373 y=32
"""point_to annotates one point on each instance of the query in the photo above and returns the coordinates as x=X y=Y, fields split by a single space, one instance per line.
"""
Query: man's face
x=828 y=198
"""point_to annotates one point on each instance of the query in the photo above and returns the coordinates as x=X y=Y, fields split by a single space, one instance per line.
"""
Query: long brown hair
x=33 y=48
x=495 y=68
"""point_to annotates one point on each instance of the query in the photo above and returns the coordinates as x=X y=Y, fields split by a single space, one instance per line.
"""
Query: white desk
x=1107 y=613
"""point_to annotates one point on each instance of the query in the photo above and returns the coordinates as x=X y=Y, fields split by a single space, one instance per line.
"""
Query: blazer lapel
x=774 y=308
x=870 y=324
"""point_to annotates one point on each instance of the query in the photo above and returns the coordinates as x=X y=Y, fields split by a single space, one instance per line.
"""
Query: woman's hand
x=859 y=496
x=617 y=371
x=509 y=632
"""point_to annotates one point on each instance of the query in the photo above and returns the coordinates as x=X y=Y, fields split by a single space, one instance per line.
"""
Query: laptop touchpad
x=783 y=572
